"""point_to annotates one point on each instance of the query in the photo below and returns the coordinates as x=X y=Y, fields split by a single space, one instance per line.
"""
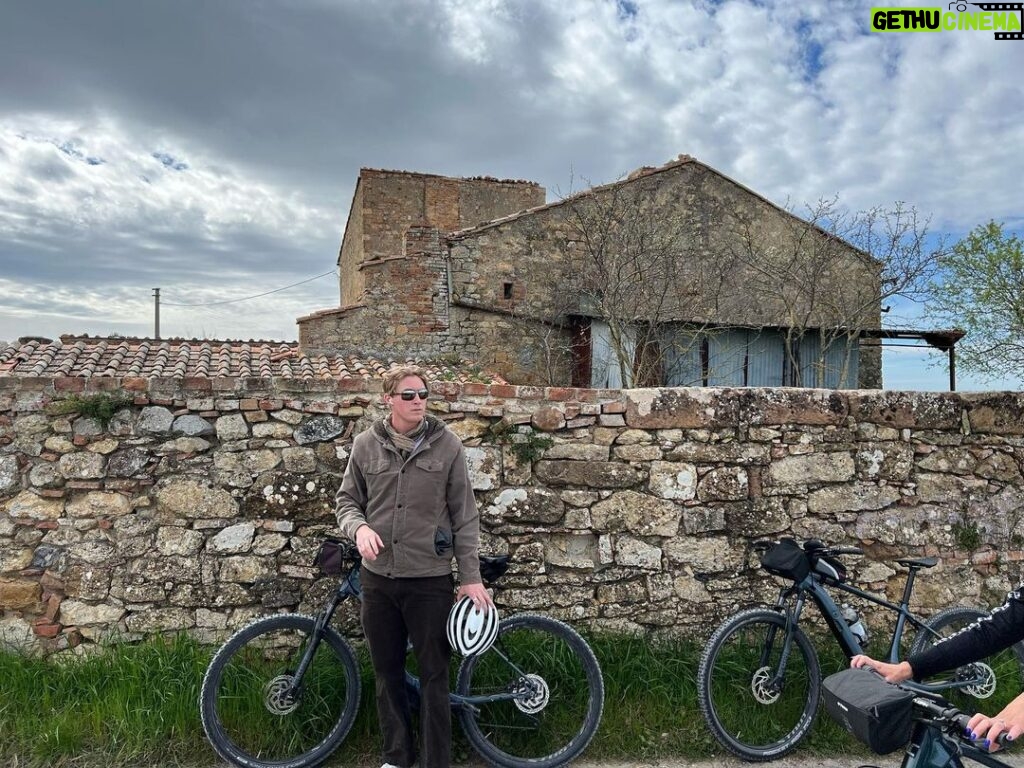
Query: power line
x=246 y=298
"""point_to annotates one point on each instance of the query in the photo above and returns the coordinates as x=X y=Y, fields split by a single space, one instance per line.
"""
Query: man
x=407 y=502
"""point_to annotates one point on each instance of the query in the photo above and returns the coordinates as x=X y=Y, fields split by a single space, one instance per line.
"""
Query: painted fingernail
x=972 y=734
x=967 y=732
x=1009 y=737
x=985 y=743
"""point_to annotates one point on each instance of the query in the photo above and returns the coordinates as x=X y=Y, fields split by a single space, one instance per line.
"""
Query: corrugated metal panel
x=836 y=360
x=765 y=354
x=727 y=353
x=681 y=350
x=605 y=371
x=810 y=366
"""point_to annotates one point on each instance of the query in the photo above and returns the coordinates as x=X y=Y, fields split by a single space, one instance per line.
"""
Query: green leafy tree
x=982 y=292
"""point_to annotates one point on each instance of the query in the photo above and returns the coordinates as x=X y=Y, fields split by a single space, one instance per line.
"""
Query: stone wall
x=201 y=504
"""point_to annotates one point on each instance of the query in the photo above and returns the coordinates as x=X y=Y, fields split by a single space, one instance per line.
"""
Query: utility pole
x=156 y=315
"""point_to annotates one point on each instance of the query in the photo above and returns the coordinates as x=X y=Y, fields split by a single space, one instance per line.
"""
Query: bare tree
x=638 y=269
x=824 y=279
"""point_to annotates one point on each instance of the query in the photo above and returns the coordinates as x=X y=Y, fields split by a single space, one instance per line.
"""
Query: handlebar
x=952 y=720
x=811 y=546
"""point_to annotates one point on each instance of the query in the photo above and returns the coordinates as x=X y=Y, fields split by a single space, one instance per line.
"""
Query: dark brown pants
x=395 y=611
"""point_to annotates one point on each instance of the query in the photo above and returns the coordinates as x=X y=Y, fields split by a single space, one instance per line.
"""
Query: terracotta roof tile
x=91 y=356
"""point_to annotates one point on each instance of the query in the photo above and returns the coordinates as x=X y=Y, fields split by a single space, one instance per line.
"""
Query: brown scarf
x=404 y=443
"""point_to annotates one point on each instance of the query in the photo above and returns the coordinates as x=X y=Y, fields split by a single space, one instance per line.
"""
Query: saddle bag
x=877 y=713
x=788 y=560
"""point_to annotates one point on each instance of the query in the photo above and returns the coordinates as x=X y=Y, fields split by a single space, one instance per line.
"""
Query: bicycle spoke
x=253 y=706
x=754 y=709
x=554 y=694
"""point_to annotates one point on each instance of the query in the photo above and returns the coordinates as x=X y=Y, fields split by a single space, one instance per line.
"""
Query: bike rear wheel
x=247 y=713
x=747 y=714
x=997 y=677
x=558 y=694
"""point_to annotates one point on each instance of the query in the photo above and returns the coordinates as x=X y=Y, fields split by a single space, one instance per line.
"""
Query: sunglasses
x=409 y=394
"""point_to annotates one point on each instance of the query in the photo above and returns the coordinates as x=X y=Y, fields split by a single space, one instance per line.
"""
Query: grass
x=136 y=704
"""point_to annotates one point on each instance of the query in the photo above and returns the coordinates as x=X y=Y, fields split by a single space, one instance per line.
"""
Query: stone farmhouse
x=661 y=265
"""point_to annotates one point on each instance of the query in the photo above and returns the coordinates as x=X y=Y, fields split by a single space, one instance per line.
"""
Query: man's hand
x=478 y=594
x=368 y=542
x=893 y=673
x=985 y=730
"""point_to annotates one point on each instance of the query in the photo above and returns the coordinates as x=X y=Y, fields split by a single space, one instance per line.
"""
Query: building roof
x=641 y=173
x=89 y=356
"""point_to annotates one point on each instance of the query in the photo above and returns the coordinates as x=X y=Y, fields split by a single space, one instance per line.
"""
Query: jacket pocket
x=430 y=465
x=442 y=542
x=377 y=466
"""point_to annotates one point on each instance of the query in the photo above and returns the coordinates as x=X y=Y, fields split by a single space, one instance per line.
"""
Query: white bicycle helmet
x=470 y=630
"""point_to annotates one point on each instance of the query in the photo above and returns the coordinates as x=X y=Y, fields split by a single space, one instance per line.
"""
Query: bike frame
x=815 y=585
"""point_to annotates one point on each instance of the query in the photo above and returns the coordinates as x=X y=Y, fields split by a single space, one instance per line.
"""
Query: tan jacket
x=422 y=508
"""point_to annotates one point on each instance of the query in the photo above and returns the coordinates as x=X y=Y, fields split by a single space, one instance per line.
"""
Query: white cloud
x=96 y=176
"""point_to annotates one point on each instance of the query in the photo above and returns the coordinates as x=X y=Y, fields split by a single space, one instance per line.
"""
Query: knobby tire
x=1006 y=665
x=539 y=655
x=244 y=720
x=738 y=711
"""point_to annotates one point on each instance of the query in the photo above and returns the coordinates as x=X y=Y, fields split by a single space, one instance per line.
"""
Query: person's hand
x=893 y=673
x=478 y=594
x=368 y=542
x=985 y=730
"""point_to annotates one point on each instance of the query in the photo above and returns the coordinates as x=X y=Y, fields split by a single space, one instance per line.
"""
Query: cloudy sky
x=211 y=148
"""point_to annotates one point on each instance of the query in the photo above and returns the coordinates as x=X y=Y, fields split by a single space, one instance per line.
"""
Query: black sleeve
x=991 y=634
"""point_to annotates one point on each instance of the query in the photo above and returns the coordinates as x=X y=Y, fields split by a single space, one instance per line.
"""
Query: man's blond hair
x=395 y=375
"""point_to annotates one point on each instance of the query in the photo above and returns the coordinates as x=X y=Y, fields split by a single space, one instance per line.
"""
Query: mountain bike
x=759 y=677
x=284 y=691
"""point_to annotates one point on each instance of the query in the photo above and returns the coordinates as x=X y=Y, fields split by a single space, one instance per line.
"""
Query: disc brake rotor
x=986 y=677
x=276 y=696
x=536 y=694
x=760 y=686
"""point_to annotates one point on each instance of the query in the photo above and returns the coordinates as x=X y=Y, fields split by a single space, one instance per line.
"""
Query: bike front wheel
x=254 y=711
x=752 y=709
x=996 y=677
x=534 y=699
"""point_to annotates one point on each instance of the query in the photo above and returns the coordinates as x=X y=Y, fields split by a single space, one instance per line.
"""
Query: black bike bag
x=787 y=559
x=331 y=556
x=877 y=713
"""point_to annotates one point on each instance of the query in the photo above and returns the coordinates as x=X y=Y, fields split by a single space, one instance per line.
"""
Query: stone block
x=19 y=594
x=98 y=504
x=831 y=467
x=299 y=460
x=723 y=484
x=484 y=467
x=232 y=427
x=82 y=466
x=638 y=513
x=673 y=480
x=525 y=505
x=590 y=474
x=235 y=539
x=29 y=505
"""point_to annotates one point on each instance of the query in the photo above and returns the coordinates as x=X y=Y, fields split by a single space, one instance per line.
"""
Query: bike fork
x=322 y=620
x=792 y=617
x=926 y=750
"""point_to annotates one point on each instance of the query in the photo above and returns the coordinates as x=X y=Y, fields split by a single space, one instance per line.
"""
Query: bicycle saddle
x=920 y=562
